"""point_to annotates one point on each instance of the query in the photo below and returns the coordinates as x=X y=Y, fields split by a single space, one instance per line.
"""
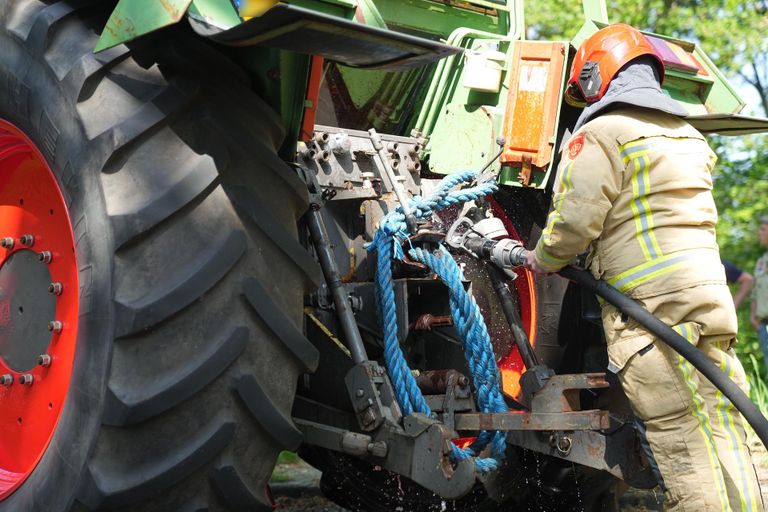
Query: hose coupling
x=506 y=253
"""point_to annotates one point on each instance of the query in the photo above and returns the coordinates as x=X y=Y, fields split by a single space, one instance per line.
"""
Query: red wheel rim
x=31 y=203
x=511 y=364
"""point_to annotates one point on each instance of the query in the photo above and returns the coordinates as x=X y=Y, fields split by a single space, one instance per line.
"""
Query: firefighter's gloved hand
x=531 y=263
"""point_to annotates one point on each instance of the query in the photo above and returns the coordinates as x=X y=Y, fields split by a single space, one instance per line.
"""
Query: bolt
x=322 y=137
x=7 y=243
x=395 y=163
x=27 y=240
x=55 y=288
x=378 y=449
x=308 y=154
x=55 y=326
x=26 y=379
x=414 y=149
x=392 y=146
x=323 y=156
x=367 y=179
x=6 y=380
x=45 y=256
x=463 y=381
x=414 y=166
x=360 y=393
x=44 y=360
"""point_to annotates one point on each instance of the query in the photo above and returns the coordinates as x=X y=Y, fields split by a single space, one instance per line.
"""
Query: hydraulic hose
x=682 y=346
x=513 y=318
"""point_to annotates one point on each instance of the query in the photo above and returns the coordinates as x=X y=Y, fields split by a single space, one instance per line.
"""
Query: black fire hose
x=682 y=346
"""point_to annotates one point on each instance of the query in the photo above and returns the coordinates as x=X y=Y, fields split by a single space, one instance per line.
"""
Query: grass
x=287 y=458
x=282 y=472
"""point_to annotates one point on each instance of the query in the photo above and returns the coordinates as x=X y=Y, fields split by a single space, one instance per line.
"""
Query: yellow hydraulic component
x=253 y=8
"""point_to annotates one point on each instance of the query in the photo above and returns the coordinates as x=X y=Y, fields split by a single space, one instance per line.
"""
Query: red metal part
x=511 y=365
x=31 y=202
x=313 y=96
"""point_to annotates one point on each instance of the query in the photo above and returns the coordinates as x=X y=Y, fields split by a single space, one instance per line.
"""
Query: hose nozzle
x=505 y=253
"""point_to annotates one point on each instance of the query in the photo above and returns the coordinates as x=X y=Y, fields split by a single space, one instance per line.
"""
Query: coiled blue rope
x=464 y=310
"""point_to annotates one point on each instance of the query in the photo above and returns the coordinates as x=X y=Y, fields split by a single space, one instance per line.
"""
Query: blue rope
x=387 y=242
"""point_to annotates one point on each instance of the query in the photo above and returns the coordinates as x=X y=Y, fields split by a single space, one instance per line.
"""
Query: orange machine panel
x=536 y=79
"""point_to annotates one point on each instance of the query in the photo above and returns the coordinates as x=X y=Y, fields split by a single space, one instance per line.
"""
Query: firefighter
x=634 y=188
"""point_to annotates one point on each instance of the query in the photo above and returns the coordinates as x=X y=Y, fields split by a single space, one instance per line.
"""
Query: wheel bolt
x=44 y=360
x=55 y=326
x=6 y=380
x=7 y=243
x=45 y=256
x=55 y=288
x=26 y=379
x=27 y=240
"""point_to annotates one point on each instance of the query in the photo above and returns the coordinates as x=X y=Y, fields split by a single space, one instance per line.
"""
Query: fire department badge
x=574 y=147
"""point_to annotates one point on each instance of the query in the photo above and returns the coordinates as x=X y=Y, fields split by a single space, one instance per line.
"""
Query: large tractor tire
x=150 y=174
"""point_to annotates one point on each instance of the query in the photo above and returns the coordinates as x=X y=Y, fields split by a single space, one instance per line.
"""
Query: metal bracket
x=420 y=452
x=554 y=407
x=447 y=392
x=560 y=393
x=616 y=453
x=372 y=396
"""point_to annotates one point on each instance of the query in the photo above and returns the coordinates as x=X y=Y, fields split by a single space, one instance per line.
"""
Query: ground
x=294 y=485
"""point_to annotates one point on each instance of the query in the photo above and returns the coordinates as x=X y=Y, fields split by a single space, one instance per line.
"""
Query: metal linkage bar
x=336 y=285
x=518 y=420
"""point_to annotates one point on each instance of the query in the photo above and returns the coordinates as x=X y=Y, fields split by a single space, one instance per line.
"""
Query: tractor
x=192 y=200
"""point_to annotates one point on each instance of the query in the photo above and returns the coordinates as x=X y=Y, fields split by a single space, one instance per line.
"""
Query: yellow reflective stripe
x=726 y=413
x=641 y=189
x=650 y=269
x=636 y=212
x=699 y=413
x=647 y=220
x=626 y=150
x=555 y=215
x=548 y=259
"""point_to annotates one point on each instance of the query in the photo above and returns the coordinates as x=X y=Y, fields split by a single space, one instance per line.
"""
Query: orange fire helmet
x=599 y=59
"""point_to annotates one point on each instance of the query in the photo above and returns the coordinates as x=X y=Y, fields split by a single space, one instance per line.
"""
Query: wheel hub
x=38 y=306
x=26 y=307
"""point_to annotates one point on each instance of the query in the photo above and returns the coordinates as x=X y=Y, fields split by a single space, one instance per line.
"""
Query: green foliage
x=758 y=389
x=741 y=189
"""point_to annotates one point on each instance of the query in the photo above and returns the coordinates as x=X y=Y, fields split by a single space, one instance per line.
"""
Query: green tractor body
x=190 y=196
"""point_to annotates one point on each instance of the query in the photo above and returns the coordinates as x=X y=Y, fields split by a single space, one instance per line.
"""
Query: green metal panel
x=595 y=10
x=134 y=18
x=464 y=138
x=218 y=13
x=441 y=19
x=280 y=79
x=462 y=131
x=341 y=8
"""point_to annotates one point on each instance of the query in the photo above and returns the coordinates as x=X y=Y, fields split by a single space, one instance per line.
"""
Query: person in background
x=734 y=274
x=759 y=310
